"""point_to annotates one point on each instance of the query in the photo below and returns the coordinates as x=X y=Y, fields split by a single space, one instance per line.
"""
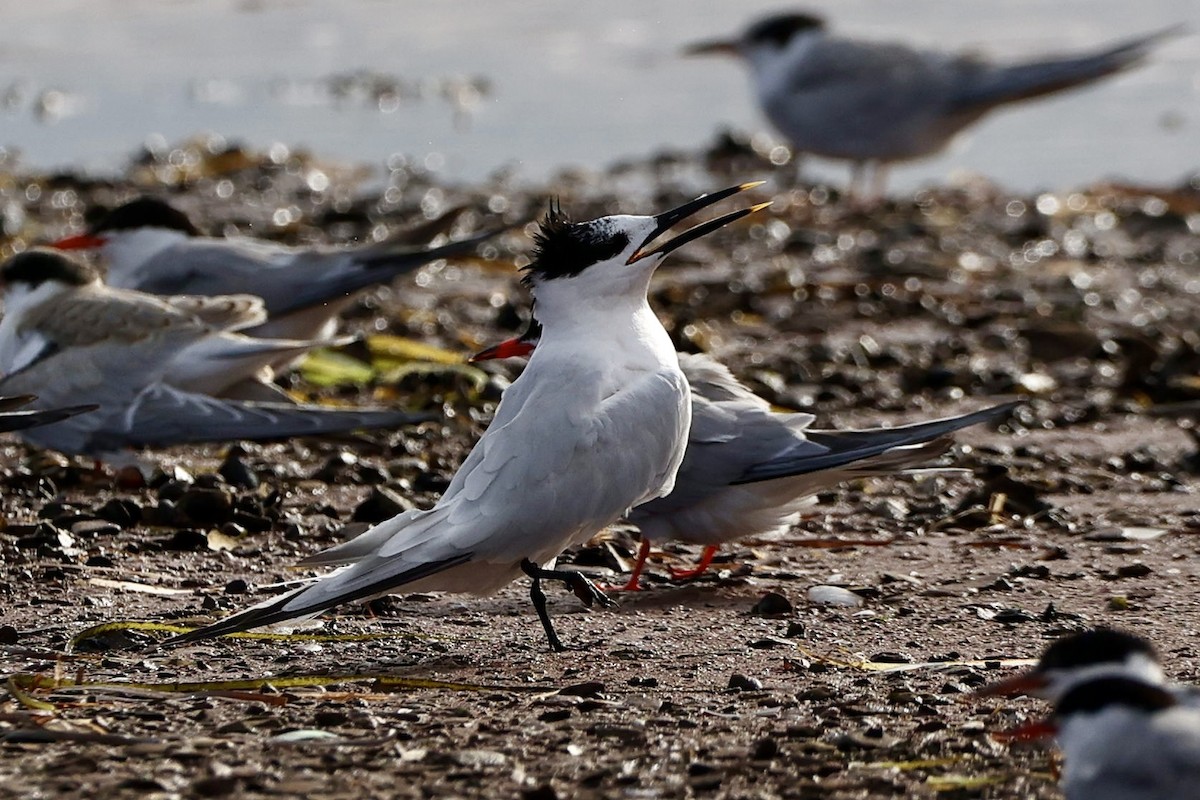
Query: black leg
x=583 y=588
x=539 y=605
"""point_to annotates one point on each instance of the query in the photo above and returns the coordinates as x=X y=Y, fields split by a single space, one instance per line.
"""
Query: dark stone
x=205 y=505
x=742 y=683
x=772 y=604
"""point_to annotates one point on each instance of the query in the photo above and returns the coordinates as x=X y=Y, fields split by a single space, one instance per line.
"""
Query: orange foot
x=705 y=560
x=635 y=578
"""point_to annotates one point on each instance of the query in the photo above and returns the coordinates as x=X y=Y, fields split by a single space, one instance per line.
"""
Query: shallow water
x=86 y=83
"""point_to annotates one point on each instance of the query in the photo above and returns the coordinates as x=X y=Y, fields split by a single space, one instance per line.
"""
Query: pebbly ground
x=1081 y=509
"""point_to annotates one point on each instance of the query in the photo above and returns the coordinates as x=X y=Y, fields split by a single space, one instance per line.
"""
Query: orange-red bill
x=82 y=241
x=510 y=348
x=1029 y=732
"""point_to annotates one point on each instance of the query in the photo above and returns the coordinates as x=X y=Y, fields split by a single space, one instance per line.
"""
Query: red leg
x=705 y=559
x=635 y=577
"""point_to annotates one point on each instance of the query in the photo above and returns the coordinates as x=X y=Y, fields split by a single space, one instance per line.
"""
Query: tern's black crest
x=778 y=30
x=35 y=267
x=1098 y=646
x=564 y=249
x=145 y=212
x=1105 y=692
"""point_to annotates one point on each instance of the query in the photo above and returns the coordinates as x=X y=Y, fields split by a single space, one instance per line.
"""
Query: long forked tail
x=344 y=586
x=909 y=444
x=1007 y=84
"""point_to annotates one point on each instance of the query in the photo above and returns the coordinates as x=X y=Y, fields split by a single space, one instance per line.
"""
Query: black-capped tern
x=878 y=103
x=586 y=433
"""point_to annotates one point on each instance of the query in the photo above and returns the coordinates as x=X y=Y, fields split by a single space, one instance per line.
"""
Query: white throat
x=1138 y=666
x=126 y=252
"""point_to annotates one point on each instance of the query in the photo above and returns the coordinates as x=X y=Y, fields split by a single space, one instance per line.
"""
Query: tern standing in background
x=595 y=425
x=877 y=103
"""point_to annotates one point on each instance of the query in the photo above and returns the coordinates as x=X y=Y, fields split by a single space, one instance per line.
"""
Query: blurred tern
x=68 y=302
x=876 y=103
x=1124 y=731
x=749 y=470
x=11 y=420
x=148 y=245
x=67 y=338
x=588 y=431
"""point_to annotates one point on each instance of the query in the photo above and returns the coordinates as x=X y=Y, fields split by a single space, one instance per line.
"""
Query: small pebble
x=833 y=596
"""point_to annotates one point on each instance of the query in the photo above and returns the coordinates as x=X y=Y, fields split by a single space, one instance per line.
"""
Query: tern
x=588 y=431
x=749 y=470
x=68 y=339
x=1125 y=732
x=149 y=245
x=11 y=420
x=68 y=302
x=877 y=103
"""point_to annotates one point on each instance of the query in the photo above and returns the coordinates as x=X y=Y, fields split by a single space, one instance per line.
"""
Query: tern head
x=39 y=266
x=1099 y=653
x=144 y=213
x=30 y=277
x=613 y=257
x=769 y=36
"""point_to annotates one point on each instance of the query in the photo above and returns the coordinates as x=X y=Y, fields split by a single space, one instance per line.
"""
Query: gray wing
x=868 y=80
x=320 y=282
x=379 y=264
x=726 y=439
x=821 y=450
x=982 y=85
x=207 y=267
x=528 y=489
x=163 y=415
x=108 y=375
x=286 y=280
x=576 y=459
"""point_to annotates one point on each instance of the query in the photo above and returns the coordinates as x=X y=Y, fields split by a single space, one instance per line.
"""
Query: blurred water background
x=473 y=86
